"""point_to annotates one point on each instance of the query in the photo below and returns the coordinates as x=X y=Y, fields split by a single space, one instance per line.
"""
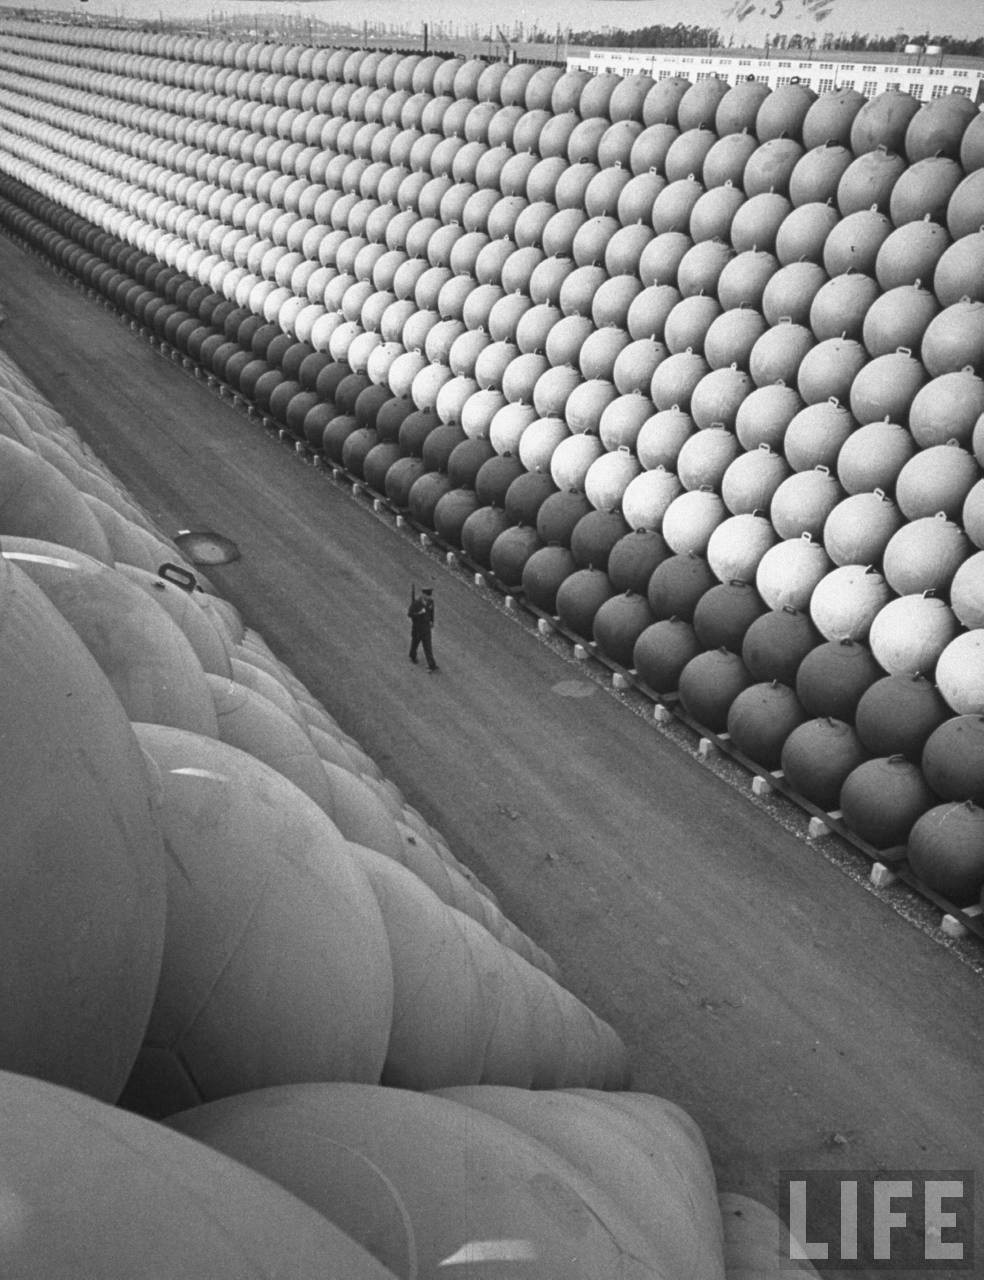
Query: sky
x=750 y=18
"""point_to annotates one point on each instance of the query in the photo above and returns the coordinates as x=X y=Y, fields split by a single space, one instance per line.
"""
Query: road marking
x=574 y=688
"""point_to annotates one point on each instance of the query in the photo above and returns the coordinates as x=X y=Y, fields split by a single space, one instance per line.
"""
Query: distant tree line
x=857 y=41
x=657 y=36
x=683 y=36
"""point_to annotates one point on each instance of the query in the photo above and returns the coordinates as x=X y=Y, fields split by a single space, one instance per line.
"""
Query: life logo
x=894 y=1220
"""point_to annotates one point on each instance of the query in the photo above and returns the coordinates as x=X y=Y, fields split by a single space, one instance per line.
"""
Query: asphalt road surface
x=798 y=1018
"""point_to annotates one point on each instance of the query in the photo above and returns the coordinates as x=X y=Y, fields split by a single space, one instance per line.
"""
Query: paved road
x=797 y=1017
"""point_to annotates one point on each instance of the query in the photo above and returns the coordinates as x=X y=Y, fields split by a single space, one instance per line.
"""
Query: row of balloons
x=562 y=412
x=196 y=779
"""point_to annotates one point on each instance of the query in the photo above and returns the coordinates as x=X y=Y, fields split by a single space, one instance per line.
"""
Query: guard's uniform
x=421 y=615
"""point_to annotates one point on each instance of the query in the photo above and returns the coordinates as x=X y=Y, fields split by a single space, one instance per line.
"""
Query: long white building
x=921 y=80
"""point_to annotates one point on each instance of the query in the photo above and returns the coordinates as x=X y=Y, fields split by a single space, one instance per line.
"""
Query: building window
x=893 y=86
x=823 y=76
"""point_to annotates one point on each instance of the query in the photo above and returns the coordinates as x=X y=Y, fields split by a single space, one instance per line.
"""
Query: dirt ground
x=798 y=1017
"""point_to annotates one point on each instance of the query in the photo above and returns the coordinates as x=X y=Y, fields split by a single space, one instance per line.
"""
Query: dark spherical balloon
x=425 y=492
x=618 y=624
x=662 y=651
x=817 y=758
x=723 y=615
x=494 y=477
x=438 y=443
x=777 y=642
x=452 y=511
x=329 y=378
x=277 y=348
x=355 y=450
x=333 y=437
x=311 y=367
x=580 y=597
x=832 y=678
x=543 y=574
x=760 y=720
x=466 y=459
x=390 y=414
x=677 y=584
x=294 y=357
x=315 y=421
x=163 y=318
x=510 y=553
x=400 y=478
x=882 y=798
x=185 y=329
x=479 y=532
x=709 y=684
x=367 y=405
x=594 y=536
x=946 y=851
x=262 y=337
x=527 y=494
x=265 y=386
x=299 y=406
x=210 y=346
x=414 y=430
x=377 y=462
x=953 y=759
x=559 y=515
x=897 y=714
x=349 y=389
x=240 y=325
x=280 y=398
x=220 y=357
x=634 y=557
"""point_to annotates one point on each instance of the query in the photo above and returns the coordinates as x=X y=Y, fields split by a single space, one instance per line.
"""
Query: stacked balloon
x=696 y=368
x=215 y=904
